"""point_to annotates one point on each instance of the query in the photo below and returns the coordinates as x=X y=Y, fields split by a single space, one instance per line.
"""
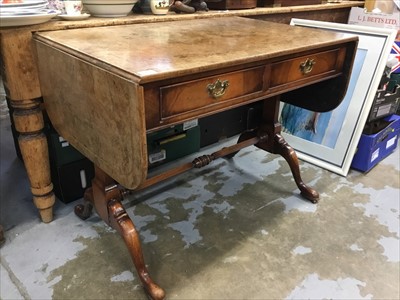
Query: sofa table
x=20 y=76
x=104 y=88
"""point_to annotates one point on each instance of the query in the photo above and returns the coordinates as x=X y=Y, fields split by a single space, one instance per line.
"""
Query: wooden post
x=21 y=82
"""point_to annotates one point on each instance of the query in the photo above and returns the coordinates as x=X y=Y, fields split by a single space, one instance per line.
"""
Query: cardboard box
x=374 y=148
x=358 y=16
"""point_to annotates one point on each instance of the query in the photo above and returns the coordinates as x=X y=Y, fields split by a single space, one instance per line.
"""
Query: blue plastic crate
x=373 y=148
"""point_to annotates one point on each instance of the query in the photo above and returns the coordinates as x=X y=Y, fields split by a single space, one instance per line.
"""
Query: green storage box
x=172 y=143
x=60 y=151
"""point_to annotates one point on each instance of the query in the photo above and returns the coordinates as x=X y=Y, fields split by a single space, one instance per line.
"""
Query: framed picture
x=330 y=139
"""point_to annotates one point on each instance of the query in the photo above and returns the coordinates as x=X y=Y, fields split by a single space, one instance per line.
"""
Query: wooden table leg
x=106 y=197
x=28 y=120
x=21 y=83
x=275 y=143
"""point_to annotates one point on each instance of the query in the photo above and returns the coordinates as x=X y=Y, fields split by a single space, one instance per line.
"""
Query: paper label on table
x=158 y=156
x=190 y=124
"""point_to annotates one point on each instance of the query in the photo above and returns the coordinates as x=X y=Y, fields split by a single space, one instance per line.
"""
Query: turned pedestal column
x=21 y=83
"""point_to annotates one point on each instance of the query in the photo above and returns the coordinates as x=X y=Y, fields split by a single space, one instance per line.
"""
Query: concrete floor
x=234 y=230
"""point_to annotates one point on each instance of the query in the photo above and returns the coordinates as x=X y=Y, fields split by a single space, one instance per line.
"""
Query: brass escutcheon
x=218 y=88
x=307 y=66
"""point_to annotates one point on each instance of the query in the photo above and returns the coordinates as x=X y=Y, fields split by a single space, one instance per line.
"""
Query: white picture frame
x=335 y=147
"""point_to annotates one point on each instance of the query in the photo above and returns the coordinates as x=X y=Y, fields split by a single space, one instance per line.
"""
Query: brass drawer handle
x=307 y=66
x=218 y=88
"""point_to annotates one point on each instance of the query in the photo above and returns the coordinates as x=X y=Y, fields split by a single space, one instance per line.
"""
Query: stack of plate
x=27 y=12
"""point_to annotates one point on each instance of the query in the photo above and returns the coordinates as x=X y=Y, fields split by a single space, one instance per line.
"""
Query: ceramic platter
x=17 y=9
x=23 y=4
x=28 y=19
x=74 y=18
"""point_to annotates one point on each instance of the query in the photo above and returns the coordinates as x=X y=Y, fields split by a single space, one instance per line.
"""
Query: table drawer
x=207 y=92
x=307 y=68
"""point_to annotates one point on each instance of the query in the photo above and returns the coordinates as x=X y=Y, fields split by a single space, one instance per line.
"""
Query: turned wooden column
x=21 y=82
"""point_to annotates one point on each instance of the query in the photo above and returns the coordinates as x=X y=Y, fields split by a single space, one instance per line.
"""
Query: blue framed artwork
x=330 y=139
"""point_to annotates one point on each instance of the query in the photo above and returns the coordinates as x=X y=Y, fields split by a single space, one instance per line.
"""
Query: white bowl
x=109 y=1
x=109 y=8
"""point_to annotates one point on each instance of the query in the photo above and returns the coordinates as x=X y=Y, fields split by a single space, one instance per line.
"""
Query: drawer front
x=306 y=68
x=207 y=92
